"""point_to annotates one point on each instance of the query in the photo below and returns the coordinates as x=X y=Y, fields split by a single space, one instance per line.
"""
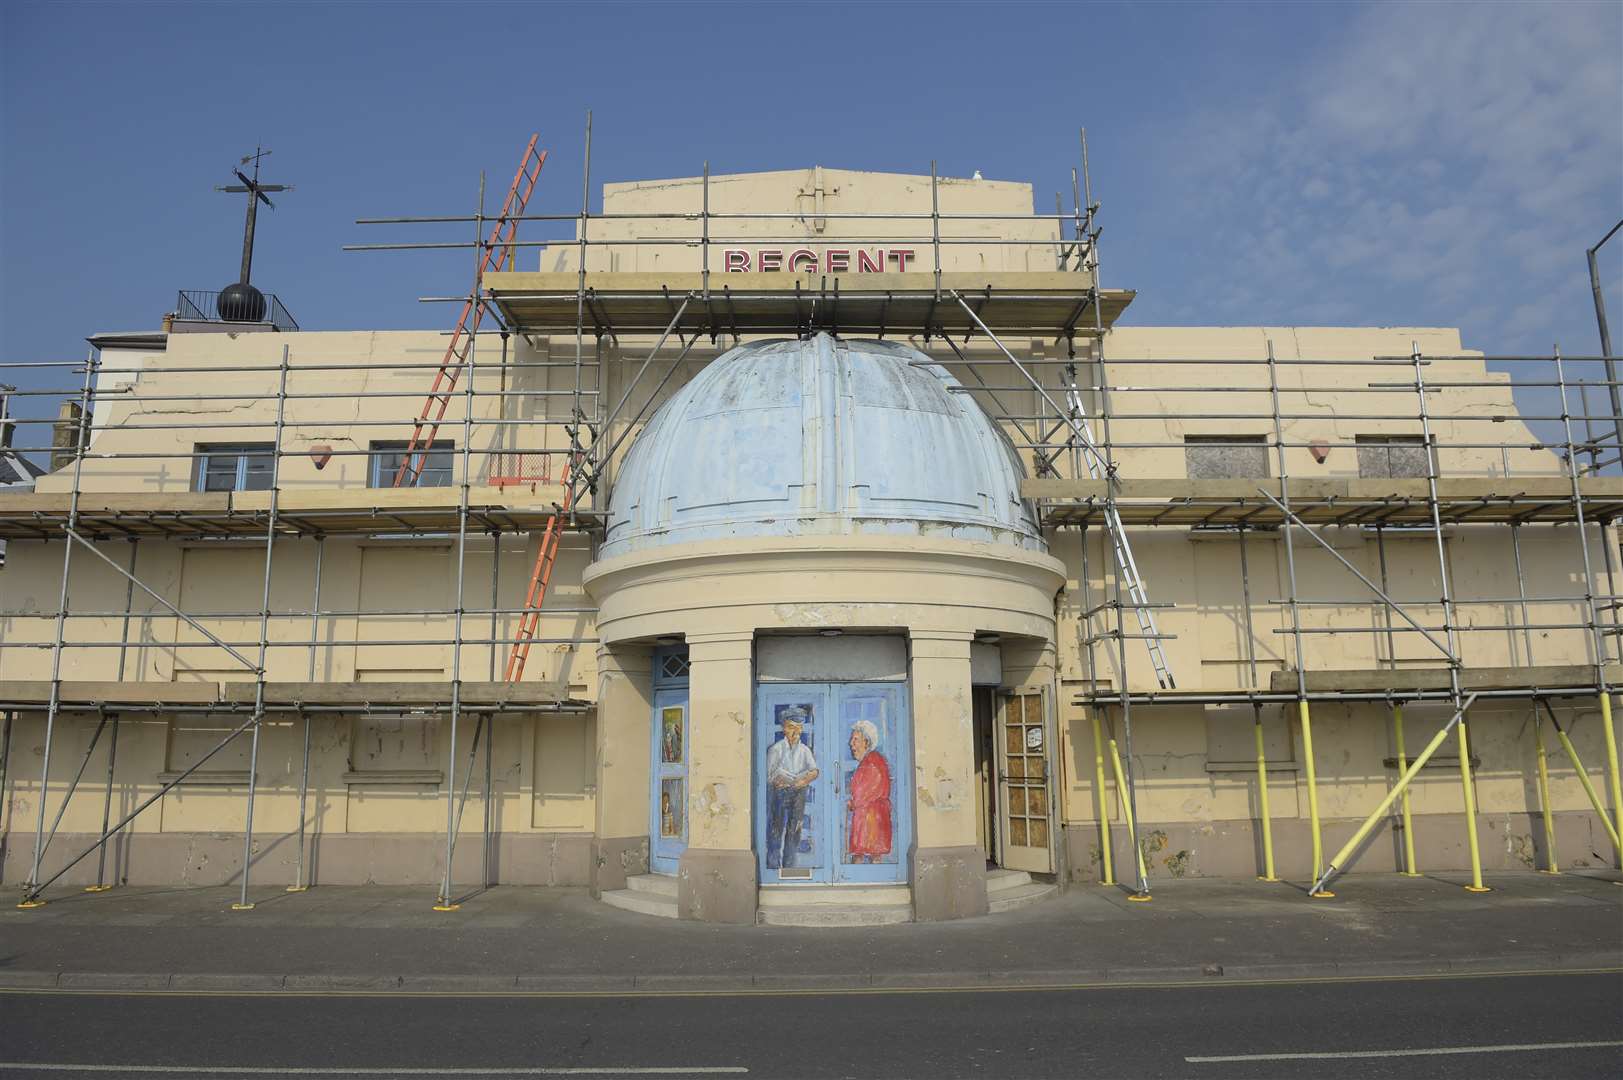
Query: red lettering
x=866 y=264
x=735 y=261
x=837 y=260
x=901 y=255
x=802 y=255
x=769 y=260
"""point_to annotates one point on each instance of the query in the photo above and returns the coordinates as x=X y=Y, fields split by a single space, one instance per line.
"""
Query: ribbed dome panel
x=819 y=437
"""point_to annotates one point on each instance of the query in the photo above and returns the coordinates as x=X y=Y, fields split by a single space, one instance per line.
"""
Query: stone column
x=624 y=712
x=716 y=879
x=949 y=867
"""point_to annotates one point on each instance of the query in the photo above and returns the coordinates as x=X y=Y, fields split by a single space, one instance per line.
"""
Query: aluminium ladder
x=1126 y=565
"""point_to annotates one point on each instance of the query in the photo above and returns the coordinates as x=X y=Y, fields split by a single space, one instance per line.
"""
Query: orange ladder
x=473 y=312
x=540 y=577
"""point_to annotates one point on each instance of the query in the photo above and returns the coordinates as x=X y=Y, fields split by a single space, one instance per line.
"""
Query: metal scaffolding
x=1029 y=347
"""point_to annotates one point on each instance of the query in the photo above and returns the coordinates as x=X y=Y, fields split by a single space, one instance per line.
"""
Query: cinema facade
x=894 y=579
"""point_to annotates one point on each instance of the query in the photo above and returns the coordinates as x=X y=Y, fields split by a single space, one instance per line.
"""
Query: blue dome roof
x=819 y=437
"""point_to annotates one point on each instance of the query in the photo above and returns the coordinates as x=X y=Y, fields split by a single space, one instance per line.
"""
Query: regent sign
x=805 y=260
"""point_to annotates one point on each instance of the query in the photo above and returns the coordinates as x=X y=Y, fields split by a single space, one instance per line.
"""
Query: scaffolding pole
x=1450 y=620
x=1602 y=689
x=32 y=887
x=1304 y=715
x=243 y=903
x=445 y=901
x=112 y=746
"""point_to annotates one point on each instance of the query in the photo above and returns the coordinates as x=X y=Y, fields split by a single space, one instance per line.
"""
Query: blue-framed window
x=235 y=466
x=436 y=464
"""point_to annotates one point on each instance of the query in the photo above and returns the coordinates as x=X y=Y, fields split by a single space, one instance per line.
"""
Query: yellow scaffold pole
x=1408 y=823
x=1127 y=815
x=1583 y=778
x=1104 y=803
x=1262 y=803
x=1611 y=771
x=1552 y=866
x=1341 y=857
x=1469 y=793
x=1313 y=803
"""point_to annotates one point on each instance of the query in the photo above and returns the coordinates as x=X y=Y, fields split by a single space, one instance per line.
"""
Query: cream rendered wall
x=542 y=764
x=621 y=245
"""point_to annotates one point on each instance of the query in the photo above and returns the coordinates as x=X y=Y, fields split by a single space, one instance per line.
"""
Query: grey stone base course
x=716 y=885
x=1233 y=848
x=949 y=883
x=745 y=982
x=616 y=858
x=199 y=859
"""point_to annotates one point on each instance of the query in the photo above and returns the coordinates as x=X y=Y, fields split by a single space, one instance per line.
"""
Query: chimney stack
x=67 y=434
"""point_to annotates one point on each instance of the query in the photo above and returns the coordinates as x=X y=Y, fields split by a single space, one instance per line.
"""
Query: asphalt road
x=1458 y=1026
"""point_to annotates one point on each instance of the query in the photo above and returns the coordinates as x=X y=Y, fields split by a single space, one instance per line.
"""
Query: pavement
x=556 y=940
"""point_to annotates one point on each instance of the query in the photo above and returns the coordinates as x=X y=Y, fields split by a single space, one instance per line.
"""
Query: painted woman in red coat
x=868 y=838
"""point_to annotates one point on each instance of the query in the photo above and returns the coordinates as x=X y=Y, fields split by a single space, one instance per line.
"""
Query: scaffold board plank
x=1046 y=303
x=1335 y=501
x=75 y=693
x=1437 y=678
x=244 y=514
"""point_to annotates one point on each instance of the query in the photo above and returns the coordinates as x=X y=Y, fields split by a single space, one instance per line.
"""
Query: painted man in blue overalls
x=790 y=769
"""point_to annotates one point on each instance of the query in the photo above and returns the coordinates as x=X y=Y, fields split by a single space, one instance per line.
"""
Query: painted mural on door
x=668 y=800
x=832 y=761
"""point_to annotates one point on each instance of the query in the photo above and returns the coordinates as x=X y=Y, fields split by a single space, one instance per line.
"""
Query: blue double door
x=832 y=766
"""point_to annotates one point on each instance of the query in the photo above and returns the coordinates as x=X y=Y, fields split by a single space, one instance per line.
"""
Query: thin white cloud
x=1441 y=163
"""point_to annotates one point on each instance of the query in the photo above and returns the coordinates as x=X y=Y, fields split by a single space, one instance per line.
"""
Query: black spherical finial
x=241 y=303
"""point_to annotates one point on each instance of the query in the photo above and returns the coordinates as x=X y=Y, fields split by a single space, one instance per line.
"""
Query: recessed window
x=1388 y=457
x=1225 y=457
x=235 y=466
x=432 y=468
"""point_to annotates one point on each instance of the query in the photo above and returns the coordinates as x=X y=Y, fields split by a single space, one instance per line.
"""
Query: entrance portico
x=849 y=629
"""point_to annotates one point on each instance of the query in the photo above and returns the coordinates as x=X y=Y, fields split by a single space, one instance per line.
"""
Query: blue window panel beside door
x=670 y=743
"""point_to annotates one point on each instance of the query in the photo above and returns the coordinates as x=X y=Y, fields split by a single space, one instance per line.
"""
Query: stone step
x=1010 y=899
x=841 y=896
x=1000 y=880
x=829 y=915
x=641 y=902
x=653 y=884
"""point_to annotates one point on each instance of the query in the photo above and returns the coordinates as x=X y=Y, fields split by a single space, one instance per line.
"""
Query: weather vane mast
x=242 y=302
x=256 y=194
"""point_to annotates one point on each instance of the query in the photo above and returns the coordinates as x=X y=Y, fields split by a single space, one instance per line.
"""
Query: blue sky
x=1437 y=164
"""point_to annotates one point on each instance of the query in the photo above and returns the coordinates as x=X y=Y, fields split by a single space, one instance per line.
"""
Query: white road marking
x=1508 y=1048
x=260 y=1070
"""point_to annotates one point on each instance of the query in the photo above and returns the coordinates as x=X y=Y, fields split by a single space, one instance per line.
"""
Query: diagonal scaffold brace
x=1099 y=468
x=1339 y=859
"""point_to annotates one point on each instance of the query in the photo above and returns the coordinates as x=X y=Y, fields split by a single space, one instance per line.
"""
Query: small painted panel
x=672 y=728
x=672 y=808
